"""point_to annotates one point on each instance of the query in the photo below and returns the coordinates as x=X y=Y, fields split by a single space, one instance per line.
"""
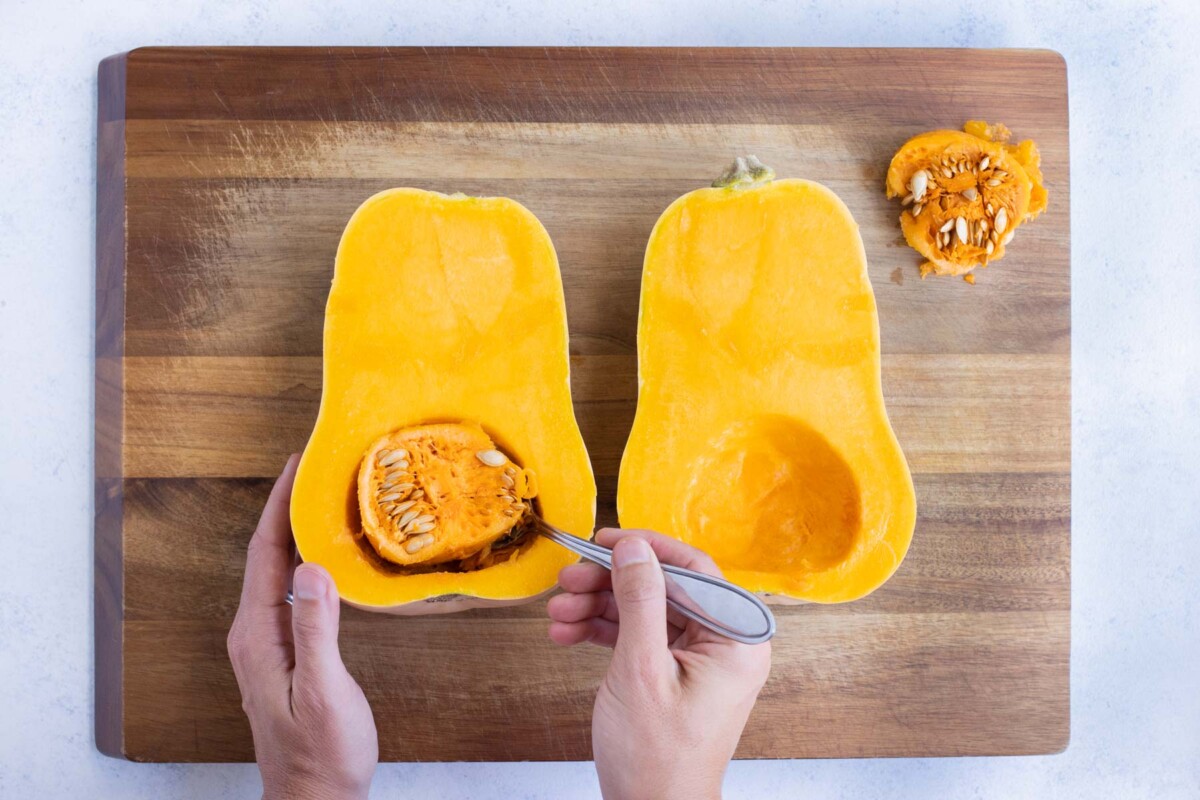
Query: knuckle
x=705 y=563
x=700 y=561
x=235 y=643
x=753 y=665
x=254 y=548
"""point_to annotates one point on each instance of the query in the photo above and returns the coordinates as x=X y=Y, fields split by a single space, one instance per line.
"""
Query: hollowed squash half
x=761 y=434
x=443 y=309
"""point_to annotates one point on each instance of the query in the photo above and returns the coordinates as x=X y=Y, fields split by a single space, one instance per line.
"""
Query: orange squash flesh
x=761 y=434
x=443 y=309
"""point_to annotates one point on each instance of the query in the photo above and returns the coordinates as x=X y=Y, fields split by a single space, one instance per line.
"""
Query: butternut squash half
x=443 y=309
x=761 y=434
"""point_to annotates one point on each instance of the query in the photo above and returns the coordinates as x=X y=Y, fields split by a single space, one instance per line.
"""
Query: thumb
x=315 y=611
x=641 y=595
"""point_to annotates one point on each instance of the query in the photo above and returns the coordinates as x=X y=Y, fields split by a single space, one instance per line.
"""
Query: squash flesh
x=761 y=434
x=442 y=309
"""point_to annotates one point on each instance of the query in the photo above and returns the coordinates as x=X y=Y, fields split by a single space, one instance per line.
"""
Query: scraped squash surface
x=761 y=434
x=443 y=309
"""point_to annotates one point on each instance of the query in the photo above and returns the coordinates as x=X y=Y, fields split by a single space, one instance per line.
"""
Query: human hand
x=314 y=736
x=676 y=697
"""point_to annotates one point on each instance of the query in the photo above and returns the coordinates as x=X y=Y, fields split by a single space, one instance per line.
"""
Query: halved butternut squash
x=444 y=309
x=761 y=434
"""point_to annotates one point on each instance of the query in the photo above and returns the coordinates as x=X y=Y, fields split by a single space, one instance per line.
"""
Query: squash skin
x=443 y=308
x=761 y=434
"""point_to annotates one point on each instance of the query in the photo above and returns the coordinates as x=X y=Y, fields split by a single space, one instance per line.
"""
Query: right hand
x=676 y=696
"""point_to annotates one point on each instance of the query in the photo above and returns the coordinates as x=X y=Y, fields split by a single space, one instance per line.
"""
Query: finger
x=591 y=578
x=641 y=596
x=668 y=550
x=268 y=558
x=672 y=551
x=580 y=578
x=315 y=611
x=578 y=607
x=596 y=631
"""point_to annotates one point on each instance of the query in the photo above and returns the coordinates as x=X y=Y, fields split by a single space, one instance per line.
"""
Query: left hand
x=314 y=736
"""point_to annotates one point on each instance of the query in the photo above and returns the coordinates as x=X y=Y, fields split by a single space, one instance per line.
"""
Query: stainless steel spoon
x=717 y=604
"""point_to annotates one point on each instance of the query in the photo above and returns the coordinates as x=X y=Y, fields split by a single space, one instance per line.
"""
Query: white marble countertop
x=1134 y=71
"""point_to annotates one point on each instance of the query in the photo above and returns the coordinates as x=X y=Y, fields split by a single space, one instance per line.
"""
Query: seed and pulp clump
x=964 y=194
x=440 y=493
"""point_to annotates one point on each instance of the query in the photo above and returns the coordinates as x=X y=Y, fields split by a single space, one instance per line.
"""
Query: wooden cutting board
x=225 y=179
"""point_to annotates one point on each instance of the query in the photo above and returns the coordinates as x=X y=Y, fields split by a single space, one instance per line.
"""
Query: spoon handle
x=717 y=604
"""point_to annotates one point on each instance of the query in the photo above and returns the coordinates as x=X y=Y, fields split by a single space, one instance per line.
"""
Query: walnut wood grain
x=241 y=416
x=861 y=86
x=959 y=684
x=250 y=238
x=225 y=177
x=979 y=550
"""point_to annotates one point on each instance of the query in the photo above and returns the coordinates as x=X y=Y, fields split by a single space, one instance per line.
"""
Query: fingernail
x=308 y=584
x=631 y=550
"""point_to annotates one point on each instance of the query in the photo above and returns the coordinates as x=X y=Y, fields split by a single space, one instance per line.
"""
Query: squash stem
x=744 y=173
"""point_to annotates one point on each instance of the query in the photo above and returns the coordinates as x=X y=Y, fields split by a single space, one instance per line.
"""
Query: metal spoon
x=717 y=604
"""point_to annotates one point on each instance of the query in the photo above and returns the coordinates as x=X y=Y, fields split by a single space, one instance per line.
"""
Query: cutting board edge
x=108 y=565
